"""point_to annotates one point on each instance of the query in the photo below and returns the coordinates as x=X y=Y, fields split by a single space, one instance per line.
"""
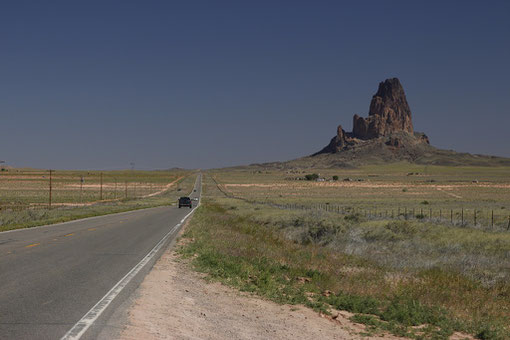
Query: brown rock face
x=389 y=117
x=337 y=143
x=389 y=112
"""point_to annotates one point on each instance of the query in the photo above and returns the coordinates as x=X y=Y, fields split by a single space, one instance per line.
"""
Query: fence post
x=101 y=187
x=492 y=218
x=462 y=221
x=451 y=216
x=475 y=217
x=125 y=189
x=508 y=228
x=440 y=215
x=430 y=214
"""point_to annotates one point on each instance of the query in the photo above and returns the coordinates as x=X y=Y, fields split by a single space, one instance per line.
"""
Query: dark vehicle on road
x=185 y=202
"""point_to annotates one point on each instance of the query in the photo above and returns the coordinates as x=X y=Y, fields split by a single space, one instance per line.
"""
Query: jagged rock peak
x=389 y=112
x=389 y=116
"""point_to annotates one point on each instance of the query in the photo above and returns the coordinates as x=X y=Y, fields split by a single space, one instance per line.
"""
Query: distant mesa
x=389 y=116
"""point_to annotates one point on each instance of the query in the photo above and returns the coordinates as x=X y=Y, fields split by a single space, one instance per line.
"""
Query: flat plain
x=397 y=244
x=25 y=194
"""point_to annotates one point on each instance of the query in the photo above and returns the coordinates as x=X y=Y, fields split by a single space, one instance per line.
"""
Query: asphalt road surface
x=52 y=276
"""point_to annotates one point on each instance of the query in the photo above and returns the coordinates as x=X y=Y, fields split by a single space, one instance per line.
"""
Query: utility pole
x=81 y=189
x=49 y=203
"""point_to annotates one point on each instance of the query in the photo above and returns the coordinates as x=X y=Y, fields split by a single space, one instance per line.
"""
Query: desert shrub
x=402 y=227
x=320 y=232
x=489 y=332
x=313 y=227
x=354 y=217
x=410 y=312
x=354 y=303
x=311 y=177
x=335 y=178
x=379 y=234
x=425 y=202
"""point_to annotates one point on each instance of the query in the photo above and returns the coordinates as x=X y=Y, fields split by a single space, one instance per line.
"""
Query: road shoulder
x=175 y=302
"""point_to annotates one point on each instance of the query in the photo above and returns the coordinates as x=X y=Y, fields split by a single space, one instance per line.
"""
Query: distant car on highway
x=185 y=202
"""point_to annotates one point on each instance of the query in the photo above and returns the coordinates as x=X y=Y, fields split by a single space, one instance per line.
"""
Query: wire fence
x=482 y=218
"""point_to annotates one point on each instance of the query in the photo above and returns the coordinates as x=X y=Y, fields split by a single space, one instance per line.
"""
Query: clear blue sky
x=98 y=85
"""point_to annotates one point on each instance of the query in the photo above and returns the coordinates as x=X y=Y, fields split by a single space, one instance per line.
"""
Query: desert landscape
x=188 y=170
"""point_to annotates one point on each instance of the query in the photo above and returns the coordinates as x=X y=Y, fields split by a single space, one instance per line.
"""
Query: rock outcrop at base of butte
x=389 y=118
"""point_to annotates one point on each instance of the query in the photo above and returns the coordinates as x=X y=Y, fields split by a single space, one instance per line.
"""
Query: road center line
x=32 y=245
x=93 y=314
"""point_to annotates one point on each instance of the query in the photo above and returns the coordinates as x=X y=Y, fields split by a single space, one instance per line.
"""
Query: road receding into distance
x=60 y=280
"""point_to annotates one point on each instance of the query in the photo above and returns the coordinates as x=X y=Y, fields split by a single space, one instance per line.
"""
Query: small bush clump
x=311 y=177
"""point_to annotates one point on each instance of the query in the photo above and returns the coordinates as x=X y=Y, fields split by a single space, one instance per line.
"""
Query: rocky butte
x=389 y=120
x=386 y=135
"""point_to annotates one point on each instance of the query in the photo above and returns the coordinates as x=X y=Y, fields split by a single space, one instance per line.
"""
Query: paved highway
x=53 y=277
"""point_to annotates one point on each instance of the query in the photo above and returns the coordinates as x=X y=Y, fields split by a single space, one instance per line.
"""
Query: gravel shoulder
x=175 y=302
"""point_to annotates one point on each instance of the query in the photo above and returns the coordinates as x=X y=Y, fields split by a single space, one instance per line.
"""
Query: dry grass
x=261 y=258
x=31 y=187
x=26 y=213
x=385 y=189
x=396 y=273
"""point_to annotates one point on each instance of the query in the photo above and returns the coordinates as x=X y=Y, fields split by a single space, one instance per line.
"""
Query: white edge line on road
x=91 y=316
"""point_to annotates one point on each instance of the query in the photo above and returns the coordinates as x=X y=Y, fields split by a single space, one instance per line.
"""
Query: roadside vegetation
x=416 y=279
x=156 y=191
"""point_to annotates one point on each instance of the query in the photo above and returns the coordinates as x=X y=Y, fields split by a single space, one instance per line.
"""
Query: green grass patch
x=235 y=248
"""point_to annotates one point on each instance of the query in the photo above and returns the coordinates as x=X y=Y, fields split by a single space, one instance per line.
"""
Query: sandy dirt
x=174 y=302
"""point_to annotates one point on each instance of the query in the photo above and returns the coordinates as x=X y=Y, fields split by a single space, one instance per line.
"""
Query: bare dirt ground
x=174 y=302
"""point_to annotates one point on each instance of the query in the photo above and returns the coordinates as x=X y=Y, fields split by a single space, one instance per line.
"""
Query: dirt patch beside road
x=175 y=302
